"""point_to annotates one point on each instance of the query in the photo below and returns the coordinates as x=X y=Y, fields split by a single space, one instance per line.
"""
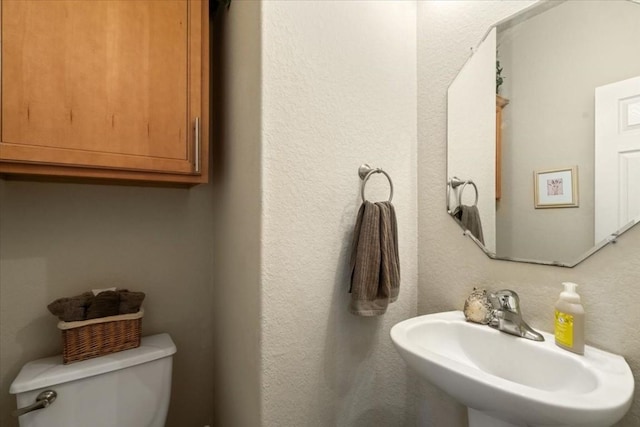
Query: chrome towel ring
x=365 y=171
x=457 y=182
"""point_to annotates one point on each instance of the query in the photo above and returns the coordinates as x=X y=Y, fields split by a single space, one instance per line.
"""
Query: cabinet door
x=102 y=84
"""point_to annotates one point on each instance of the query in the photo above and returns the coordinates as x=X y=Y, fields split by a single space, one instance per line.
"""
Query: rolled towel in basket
x=91 y=305
x=106 y=303
x=130 y=302
x=71 y=309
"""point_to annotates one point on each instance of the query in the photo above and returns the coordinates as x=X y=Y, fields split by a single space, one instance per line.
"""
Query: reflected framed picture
x=556 y=188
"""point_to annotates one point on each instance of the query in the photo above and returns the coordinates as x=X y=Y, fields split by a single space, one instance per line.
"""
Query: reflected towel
x=375 y=262
x=469 y=217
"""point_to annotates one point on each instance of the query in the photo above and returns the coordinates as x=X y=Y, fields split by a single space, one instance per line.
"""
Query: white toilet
x=126 y=389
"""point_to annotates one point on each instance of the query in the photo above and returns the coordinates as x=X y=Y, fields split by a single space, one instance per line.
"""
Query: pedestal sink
x=510 y=381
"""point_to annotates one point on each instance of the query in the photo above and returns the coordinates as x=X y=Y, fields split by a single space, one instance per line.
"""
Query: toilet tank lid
x=50 y=371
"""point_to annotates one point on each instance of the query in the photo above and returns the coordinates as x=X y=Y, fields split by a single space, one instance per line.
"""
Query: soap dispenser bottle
x=569 y=320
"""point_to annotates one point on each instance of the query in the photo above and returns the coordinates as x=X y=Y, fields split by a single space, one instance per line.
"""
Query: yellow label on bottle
x=564 y=329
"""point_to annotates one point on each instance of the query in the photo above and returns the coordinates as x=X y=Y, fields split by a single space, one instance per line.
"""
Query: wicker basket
x=96 y=337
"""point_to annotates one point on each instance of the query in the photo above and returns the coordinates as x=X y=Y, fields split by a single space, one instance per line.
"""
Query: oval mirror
x=543 y=139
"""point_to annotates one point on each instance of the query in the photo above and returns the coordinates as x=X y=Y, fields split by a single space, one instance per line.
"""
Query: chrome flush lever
x=43 y=400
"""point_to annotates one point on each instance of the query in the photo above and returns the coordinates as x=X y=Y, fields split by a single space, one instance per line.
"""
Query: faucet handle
x=505 y=299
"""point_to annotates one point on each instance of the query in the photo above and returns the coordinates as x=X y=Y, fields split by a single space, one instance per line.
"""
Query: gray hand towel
x=375 y=263
x=469 y=217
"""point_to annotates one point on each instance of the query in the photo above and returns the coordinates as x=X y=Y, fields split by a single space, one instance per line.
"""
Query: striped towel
x=375 y=264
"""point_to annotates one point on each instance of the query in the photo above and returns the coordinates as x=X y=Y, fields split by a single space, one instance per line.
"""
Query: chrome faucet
x=507 y=317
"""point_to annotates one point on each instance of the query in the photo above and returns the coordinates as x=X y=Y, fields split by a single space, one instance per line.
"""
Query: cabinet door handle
x=196 y=147
x=43 y=400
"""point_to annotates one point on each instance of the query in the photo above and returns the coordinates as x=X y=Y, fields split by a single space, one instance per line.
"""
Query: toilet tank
x=126 y=389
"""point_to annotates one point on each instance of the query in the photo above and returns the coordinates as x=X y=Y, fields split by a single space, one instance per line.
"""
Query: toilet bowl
x=126 y=389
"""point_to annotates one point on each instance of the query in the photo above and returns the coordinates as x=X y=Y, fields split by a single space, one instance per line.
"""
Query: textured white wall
x=339 y=86
x=450 y=264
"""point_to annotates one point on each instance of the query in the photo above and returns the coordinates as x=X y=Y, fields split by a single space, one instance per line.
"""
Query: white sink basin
x=512 y=380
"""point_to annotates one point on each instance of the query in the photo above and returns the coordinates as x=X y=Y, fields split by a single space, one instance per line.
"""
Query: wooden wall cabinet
x=114 y=90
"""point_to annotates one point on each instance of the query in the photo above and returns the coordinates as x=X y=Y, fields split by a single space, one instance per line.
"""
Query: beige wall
x=236 y=308
x=450 y=264
x=62 y=239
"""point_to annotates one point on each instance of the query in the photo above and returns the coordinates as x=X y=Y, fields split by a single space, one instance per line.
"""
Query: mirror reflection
x=544 y=132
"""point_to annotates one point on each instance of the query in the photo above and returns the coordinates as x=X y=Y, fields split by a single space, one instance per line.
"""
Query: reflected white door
x=617 y=156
